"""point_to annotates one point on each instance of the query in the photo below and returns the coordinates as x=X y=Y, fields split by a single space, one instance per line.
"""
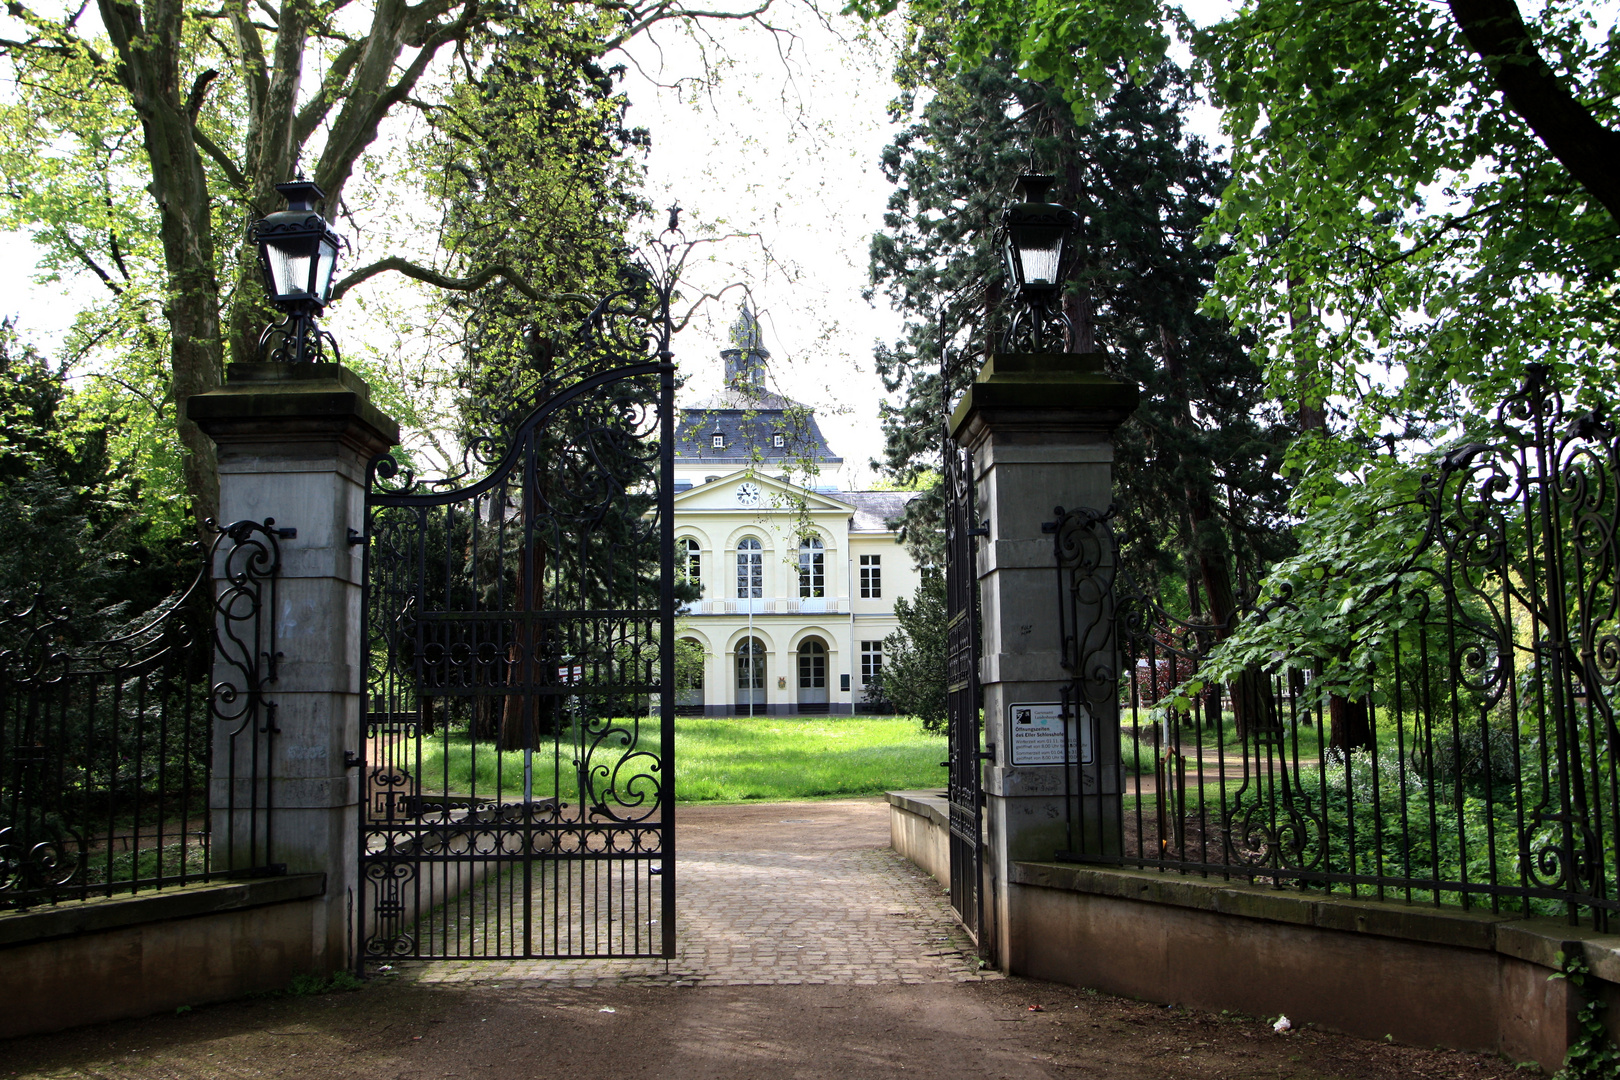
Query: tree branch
x=199 y=90
x=233 y=174
x=1591 y=152
x=433 y=277
x=89 y=261
x=638 y=18
x=314 y=111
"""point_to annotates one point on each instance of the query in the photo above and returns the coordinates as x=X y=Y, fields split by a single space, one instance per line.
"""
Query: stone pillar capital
x=301 y=409
x=1041 y=398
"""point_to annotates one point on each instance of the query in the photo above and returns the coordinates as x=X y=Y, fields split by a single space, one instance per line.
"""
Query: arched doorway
x=812 y=675
x=689 y=677
x=750 y=676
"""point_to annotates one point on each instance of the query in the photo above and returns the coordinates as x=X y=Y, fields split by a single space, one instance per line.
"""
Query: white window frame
x=871 y=577
x=871 y=661
x=750 y=569
x=812 y=568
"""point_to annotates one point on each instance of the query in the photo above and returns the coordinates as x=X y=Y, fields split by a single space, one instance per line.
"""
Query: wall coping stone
x=933 y=805
x=1534 y=940
x=180 y=902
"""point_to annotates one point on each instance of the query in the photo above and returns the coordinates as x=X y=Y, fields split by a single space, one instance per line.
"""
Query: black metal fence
x=1439 y=730
x=106 y=742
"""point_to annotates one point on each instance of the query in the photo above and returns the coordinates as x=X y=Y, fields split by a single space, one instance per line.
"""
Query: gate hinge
x=351 y=760
x=356 y=537
x=982 y=530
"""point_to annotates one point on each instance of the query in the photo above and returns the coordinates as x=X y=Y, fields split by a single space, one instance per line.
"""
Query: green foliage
x=309 y=985
x=536 y=166
x=1400 y=241
x=1592 y=1055
x=74 y=527
x=913 y=679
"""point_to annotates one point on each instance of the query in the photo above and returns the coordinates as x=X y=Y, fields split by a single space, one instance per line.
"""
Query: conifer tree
x=1198 y=466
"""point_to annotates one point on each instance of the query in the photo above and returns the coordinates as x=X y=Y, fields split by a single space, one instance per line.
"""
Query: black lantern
x=298 y=255
x=1037 y=244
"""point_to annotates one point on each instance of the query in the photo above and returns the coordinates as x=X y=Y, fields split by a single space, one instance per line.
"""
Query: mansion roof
x=874 y=510
x=747 y=416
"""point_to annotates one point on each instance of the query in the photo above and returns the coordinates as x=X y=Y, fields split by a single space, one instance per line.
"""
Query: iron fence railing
x=1441 y=731
x=106 y=741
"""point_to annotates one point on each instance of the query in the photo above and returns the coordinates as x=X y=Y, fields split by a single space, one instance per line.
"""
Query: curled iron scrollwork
x=520 y=636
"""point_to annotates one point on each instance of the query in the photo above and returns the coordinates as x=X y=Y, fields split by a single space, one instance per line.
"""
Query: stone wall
x=107 y=959
x=1419 y=974
x=919 y=829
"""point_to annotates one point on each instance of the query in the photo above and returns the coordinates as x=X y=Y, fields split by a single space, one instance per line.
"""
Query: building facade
x=797 y=576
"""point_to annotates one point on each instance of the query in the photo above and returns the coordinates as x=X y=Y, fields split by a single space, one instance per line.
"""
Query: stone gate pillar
x=294 y=441
x=1040 y=429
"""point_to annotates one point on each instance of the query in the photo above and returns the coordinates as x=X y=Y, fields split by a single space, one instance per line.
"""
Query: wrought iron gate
x=962 y=691
x=518 y=750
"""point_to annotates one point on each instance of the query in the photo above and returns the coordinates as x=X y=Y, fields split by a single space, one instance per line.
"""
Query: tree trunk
x=520 y=708
x=1349 y=724
x=1253 y=709
x=148 y=67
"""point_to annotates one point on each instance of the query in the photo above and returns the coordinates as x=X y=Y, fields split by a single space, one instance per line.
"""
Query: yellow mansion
x=798 y=576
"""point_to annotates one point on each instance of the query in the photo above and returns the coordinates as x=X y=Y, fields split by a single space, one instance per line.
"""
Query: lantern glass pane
x=1040 y=250
x=291 y=262
x=323 y=270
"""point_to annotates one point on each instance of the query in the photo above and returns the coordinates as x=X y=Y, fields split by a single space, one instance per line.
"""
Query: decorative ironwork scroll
x=247 y=563
x=1443 y=732
x=107 y=739
x=520 y=614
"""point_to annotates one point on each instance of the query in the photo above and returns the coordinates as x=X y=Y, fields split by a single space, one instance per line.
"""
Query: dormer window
x=779 y=440
x=718 y=441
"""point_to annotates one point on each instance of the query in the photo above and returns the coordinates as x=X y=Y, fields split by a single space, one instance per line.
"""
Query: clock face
x=748 y=494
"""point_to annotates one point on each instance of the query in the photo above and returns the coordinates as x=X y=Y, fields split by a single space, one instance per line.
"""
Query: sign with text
x=1037 y=733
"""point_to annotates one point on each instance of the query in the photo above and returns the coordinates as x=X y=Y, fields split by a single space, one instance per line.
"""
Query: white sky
x=785 y=148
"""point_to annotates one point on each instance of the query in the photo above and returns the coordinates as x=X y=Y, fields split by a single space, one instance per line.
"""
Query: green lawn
x=765 y=759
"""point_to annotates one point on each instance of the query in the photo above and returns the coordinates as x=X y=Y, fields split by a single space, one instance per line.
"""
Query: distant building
x=798 y=576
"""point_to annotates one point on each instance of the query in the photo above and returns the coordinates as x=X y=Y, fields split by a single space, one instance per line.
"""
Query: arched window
x=750 y=569
x=688 y=560
x=812 y=568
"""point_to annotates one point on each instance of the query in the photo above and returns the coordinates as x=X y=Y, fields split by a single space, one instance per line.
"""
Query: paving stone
x=861 y=916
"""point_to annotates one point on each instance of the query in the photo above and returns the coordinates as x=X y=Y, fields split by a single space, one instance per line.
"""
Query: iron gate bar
x=965 y=793
x=597 y=849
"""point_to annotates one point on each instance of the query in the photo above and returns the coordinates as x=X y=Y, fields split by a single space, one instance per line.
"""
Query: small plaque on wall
x=1037 y=734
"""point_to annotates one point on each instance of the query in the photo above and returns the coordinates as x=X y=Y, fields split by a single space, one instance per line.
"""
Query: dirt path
x=713 y=1019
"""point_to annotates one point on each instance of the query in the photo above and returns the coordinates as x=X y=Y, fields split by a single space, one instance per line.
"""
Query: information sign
x=1037 y=734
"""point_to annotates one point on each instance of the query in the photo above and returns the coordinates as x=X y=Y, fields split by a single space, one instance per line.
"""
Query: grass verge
x=764 y=759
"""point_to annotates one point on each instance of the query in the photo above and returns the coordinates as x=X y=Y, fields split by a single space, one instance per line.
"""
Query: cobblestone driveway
x=783 y=894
